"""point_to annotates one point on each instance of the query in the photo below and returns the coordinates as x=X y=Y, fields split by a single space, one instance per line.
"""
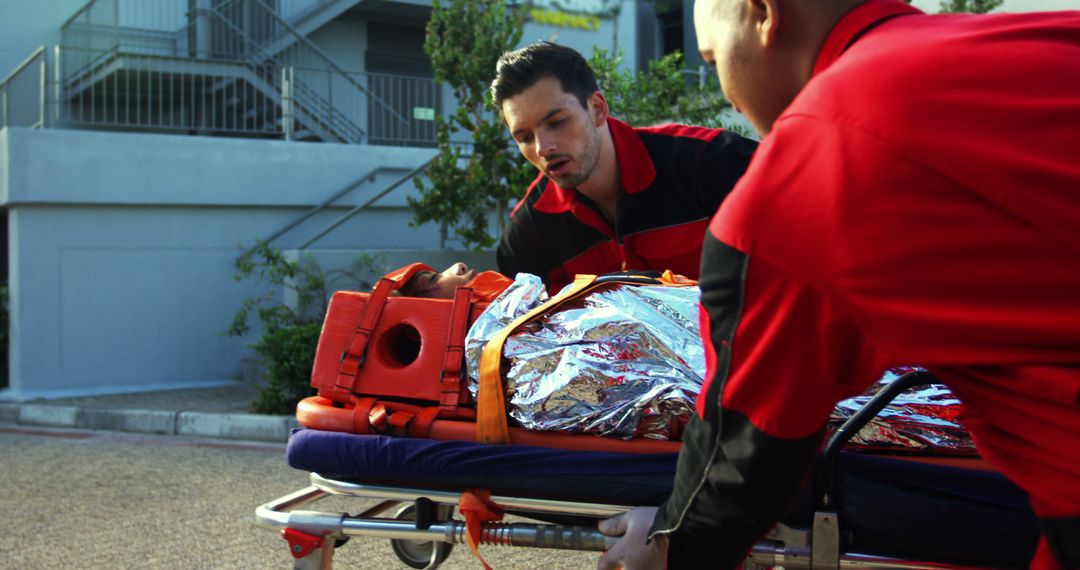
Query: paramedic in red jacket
x=916 y=198
x=609 y=197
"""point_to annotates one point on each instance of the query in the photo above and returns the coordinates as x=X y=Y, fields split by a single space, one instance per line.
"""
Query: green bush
x=289 y=350
x=290 y=333
x=662 y=93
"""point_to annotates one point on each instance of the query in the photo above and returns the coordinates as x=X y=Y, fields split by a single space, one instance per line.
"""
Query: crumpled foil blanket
x=921 y=419
x=627 y=361
x=622 y=361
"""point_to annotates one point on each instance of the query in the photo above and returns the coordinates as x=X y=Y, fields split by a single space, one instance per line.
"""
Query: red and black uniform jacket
x=917 y=203
x=673 y=179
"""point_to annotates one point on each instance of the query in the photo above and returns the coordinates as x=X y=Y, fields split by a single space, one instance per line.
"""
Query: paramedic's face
x=554 y=132
x=442 y=285
x=727 y=37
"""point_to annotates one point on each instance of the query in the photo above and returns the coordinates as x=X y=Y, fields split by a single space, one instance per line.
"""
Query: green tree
x=464 y=40
x=968 y=6
x=290 y=332
x=663 y=92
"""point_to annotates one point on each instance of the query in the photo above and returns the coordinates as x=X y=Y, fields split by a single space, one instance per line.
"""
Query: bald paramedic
x=608 y=197
x=915 y=199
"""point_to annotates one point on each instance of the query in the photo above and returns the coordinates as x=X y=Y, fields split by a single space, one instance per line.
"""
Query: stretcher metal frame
x=424 y=531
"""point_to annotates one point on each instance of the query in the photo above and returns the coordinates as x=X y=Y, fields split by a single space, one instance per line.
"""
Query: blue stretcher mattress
x=886 y=506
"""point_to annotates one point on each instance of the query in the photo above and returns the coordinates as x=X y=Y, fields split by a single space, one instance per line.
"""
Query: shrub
x=290 y=332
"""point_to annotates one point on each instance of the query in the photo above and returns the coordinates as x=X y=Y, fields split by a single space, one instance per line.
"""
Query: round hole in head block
x=400 y=345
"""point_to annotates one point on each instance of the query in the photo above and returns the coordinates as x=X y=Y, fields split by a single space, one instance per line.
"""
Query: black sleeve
x=526 y=242
x=521 y=249
x=733 y=480
x=718 y=166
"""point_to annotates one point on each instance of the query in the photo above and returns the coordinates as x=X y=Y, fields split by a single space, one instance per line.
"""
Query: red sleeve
x=796 y=352
x=779 y=354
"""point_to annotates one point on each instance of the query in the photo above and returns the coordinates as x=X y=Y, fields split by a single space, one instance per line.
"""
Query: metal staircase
x=230 y=67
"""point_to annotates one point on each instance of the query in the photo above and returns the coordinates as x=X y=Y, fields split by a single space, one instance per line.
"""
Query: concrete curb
x=162 y=422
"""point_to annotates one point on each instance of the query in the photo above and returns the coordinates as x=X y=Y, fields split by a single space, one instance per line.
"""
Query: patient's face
x=431 y=285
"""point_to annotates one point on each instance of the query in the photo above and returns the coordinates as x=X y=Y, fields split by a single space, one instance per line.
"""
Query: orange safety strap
x=455 y=350
x=352 y=358
x=671 y=278
x=422 y=426
x=491 y=426
x=361 y=421
x=374 y=416
x=476 y=506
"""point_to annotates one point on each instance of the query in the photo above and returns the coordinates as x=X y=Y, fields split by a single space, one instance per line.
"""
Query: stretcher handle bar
x=452 y=498
x=768 y=554
x=856 y=423
x=531 y=535
x=273 y=515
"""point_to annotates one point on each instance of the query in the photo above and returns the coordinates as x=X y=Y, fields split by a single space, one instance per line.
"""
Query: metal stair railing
x=37 y=60
x=329 y=61
x=307 y=100
x=367 y=203
x=367 y=177
x=313 y=109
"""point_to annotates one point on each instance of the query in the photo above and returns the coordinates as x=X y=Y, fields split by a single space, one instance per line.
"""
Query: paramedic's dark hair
x=518 y=70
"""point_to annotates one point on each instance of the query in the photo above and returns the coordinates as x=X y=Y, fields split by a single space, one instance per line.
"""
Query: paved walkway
x=206 y=412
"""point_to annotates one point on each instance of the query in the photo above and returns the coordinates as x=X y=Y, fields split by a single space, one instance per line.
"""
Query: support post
x=286 y=102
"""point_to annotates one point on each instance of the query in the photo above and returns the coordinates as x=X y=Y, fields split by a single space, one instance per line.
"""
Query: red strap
x=455 y=350
x=361 y=422
x=476 y=506
x=422 y=425
x=399 y=422
x=352 y=358
x=378 y=417
x=373 y=416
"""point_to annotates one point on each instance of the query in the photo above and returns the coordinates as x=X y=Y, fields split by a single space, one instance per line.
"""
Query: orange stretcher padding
x=406 y=352
x=320 y=413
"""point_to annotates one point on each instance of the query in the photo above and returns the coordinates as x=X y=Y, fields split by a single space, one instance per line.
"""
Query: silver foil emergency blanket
x=922 y=419
x=627 y=361
x=622 y=361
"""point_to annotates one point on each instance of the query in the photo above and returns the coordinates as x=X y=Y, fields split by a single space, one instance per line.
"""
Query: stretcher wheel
x=427 y=555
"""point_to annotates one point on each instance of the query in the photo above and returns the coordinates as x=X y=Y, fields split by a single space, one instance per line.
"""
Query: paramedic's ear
x=598 y=108
x=765 y=17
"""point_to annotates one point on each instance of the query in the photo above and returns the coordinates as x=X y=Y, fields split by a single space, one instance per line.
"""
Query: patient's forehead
x=421 y=282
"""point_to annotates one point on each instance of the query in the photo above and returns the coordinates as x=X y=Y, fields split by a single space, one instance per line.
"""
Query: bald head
x=764 y=50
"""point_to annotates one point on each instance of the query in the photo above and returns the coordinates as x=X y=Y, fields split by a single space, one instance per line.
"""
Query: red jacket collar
x=636 y=171
x=854 y=23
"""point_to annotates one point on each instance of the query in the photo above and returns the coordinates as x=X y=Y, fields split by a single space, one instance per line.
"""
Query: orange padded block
x=405 y=354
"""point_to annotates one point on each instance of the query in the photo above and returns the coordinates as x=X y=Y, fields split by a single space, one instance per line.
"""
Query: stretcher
x=858 y=511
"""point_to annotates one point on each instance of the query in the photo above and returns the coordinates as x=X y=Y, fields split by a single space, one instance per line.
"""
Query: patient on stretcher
x=423 y=281
x=627 y=361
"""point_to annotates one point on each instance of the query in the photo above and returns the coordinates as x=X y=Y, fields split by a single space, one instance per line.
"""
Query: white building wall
x=122 y=247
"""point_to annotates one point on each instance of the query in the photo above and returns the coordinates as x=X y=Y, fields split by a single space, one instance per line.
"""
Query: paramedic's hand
x=631 y=552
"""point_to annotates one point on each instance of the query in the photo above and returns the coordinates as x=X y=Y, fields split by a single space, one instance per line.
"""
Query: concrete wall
x=26 y=25
x=122 y=247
